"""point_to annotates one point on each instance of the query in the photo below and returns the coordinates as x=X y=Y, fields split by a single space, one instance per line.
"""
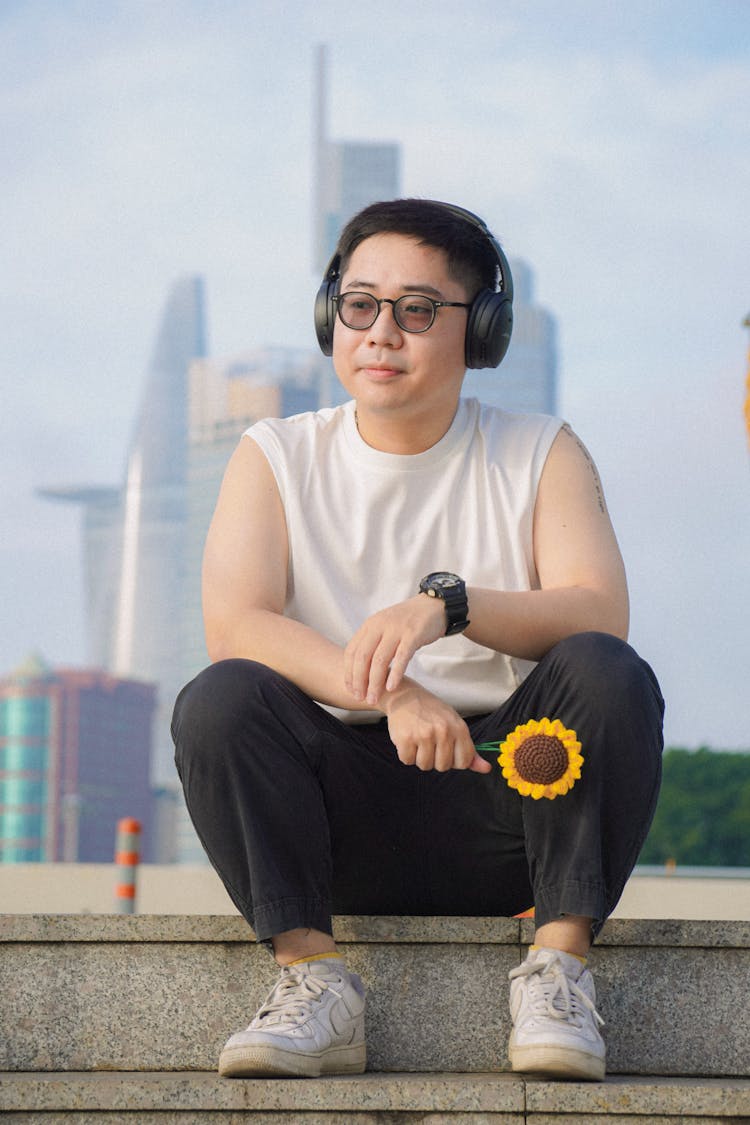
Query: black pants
x=303 y=816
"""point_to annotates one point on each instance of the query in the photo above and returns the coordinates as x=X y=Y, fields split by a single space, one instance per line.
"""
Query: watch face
x=443 y=580
x=452 y=590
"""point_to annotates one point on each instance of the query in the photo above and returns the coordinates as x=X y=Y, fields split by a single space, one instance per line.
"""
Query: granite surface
x=644 y=1097
x=480 y=1099
x=392 y=1092
x=361 y=929
x=281 y=1117
x=225 y=928
x=172 y=1006
x=666 y=932
x=163 y=993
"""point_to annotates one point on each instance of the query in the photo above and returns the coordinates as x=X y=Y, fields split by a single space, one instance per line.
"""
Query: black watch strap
x=452 y=591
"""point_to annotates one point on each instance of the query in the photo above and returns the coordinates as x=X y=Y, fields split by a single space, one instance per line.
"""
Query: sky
x=606 y=143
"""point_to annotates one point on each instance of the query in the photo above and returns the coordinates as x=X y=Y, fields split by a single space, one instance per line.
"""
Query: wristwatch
x=452 y=590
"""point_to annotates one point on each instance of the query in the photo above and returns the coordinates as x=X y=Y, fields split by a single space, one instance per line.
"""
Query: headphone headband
x=490 y=318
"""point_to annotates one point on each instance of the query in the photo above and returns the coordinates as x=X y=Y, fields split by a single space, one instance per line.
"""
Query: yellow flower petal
x=541 y=756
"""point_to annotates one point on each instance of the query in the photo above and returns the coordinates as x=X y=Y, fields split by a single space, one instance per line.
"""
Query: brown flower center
x=541 y=759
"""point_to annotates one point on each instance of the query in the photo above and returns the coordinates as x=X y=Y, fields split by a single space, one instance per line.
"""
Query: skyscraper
x=134 y=535
x=347 y=174
x=151 y=576
x=100 y=506
x=75 y=749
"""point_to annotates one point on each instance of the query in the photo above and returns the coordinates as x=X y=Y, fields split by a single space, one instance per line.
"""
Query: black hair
x=470 y=256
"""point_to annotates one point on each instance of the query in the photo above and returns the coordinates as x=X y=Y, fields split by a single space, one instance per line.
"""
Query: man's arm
x=245 y=570
x=581 y=572
x=581 y=575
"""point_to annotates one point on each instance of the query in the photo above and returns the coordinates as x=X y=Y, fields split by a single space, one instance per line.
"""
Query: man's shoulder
x=295 y=426
x=309 y=419
x=500 y=421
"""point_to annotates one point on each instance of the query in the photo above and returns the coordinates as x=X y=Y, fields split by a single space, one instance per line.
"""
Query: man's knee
x=217 y=703
x=602 y=665
x=610 y=674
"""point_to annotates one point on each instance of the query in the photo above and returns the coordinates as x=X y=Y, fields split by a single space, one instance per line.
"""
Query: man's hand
x=428 y=733
x=376 y=657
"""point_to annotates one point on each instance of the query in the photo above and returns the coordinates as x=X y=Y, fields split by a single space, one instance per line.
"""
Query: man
x=387 y=585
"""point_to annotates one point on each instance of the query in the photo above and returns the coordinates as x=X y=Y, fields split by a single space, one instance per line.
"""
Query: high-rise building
x=134 y=536
x=101 y=519
x=151 y=577
x=75 y=748
x=347 y=174
x=527 y=377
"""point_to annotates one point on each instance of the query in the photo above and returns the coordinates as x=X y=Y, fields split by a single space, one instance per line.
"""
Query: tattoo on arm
x=597 y=481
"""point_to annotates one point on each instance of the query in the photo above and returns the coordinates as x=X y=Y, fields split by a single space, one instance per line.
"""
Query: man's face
x=387 y=370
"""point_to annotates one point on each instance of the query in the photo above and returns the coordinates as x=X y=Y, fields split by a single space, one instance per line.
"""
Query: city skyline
x=608 y=149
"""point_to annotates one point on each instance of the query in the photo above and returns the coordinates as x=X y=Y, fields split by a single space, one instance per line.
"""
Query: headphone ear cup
x=325 y=315
x=488 y=329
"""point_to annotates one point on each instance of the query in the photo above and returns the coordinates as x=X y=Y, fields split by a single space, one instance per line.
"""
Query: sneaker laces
x=292 y=998
x=553 y=993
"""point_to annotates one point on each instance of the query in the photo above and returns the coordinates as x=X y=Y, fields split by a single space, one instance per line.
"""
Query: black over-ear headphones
x=490 y=320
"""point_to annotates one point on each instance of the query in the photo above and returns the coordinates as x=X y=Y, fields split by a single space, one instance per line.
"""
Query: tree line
x=703 y=814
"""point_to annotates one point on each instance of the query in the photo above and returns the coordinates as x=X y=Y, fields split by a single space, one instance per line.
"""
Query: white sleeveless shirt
x=365 y=526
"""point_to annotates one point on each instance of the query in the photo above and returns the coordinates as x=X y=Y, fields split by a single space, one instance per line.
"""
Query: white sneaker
x=312 y=1023
x=555 y=1021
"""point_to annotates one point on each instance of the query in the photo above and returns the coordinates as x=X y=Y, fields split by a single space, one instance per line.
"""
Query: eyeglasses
x=413 y=312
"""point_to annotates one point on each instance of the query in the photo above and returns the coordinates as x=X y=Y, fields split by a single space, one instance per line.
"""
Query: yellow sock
x=576 y=955
x=317 y=957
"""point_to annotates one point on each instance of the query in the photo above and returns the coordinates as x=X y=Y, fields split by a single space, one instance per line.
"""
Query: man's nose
x=384 y=328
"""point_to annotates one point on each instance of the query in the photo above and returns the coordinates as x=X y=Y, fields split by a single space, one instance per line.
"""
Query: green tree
x=703 y=815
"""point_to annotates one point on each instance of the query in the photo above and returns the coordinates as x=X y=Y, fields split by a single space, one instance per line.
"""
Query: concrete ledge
x=88 y=888
x=365 y=929
x=211 y=929
x=148 y=993
x=479 y=1099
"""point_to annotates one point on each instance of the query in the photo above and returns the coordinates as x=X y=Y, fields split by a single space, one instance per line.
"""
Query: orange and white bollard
x=127 y=856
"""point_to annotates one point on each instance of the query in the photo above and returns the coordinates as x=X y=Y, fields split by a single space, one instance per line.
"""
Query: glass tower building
x=347 y=174
x=134 y=535
x=75 y=748
x=152 y=520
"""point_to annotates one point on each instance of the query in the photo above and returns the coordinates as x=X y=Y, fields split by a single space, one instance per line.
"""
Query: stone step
x=370 y=1099
x=162 y=993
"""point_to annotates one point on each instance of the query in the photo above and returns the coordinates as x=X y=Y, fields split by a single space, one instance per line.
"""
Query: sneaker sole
x=557 y=1062
x=269 y=1062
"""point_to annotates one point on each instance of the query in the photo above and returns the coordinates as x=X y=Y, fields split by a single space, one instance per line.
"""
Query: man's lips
x=377 y=371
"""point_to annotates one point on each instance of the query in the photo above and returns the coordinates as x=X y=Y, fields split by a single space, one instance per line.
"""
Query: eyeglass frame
x=380 y=301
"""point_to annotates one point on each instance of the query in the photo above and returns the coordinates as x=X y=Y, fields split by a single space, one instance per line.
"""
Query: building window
x=24 y=717
x=23 y=791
